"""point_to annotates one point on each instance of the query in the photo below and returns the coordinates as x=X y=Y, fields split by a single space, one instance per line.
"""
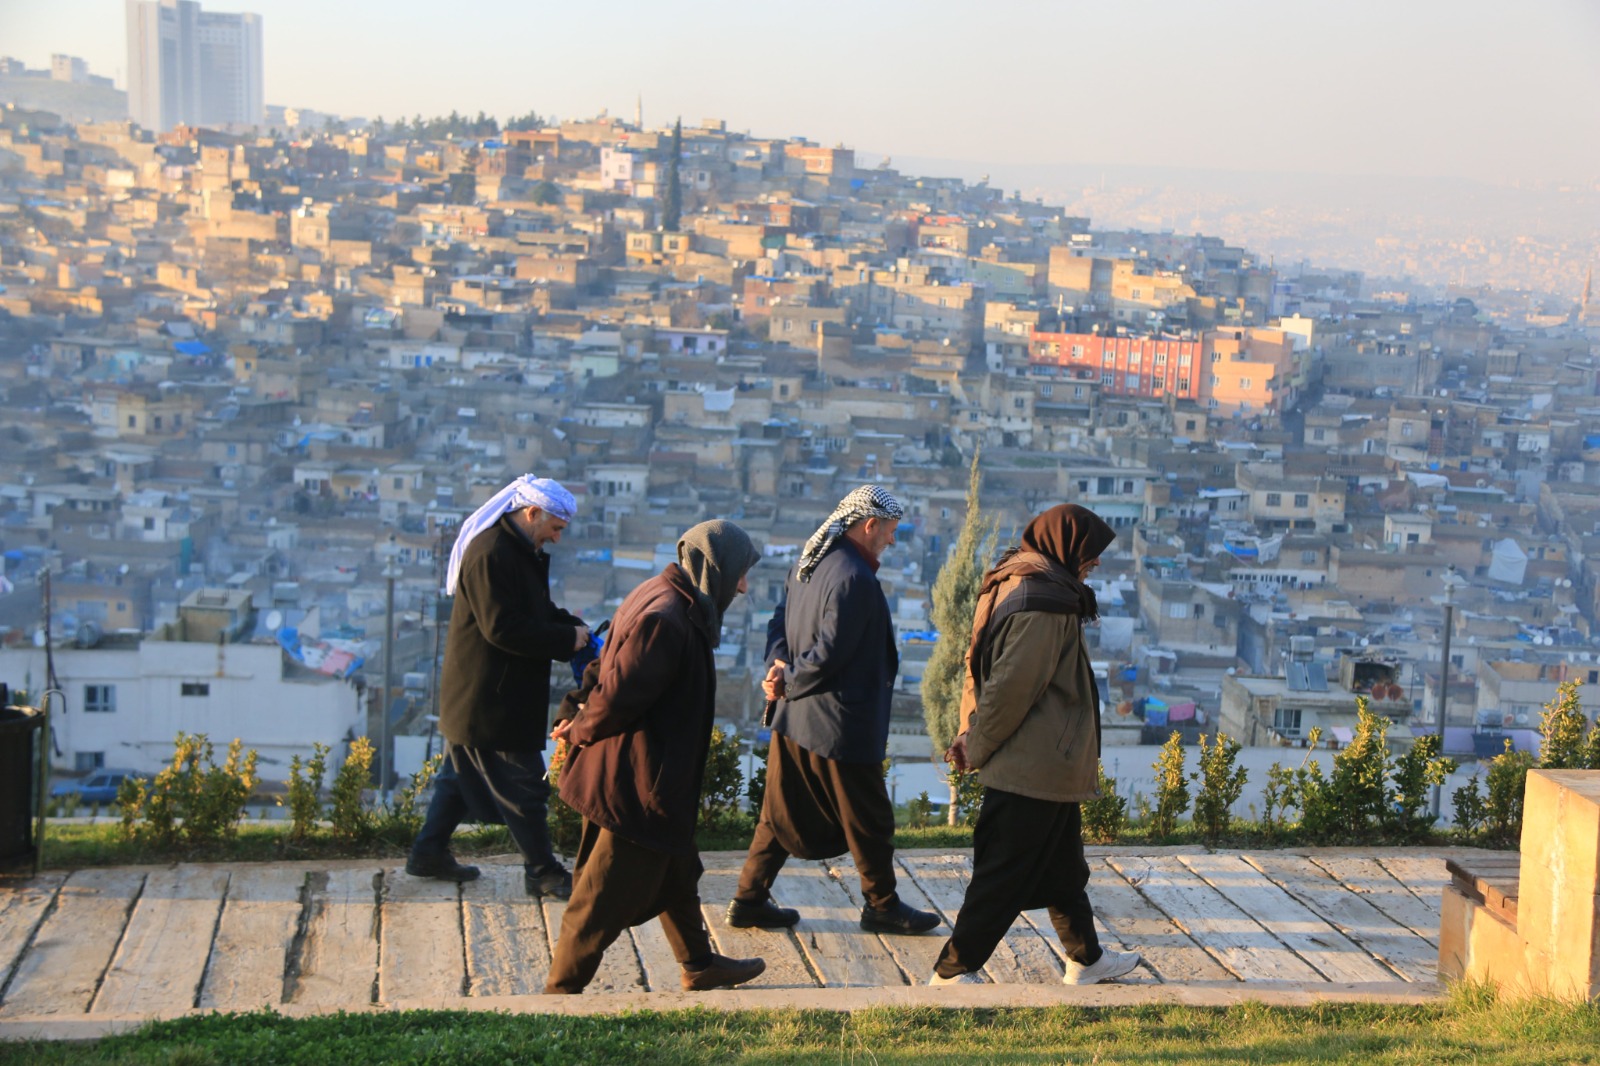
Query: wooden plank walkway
x=350 y=935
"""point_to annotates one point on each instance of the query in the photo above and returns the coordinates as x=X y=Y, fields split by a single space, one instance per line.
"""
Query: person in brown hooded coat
x=1030 y=725
x=638 y=748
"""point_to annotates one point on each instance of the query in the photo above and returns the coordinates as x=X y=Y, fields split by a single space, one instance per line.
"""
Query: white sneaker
x=1110 y=965
x=971 y=978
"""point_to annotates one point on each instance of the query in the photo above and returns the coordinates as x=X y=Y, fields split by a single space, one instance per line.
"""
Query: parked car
x=99 y=787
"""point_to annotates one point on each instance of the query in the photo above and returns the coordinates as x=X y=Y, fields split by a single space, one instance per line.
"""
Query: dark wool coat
x=640 y=742
x=494 y=692
x=835 y=633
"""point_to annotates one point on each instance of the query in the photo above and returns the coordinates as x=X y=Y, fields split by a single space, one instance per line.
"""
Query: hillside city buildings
x=249 y=380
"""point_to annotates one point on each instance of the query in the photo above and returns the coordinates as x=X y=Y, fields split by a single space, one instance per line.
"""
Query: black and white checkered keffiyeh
x=868 y=501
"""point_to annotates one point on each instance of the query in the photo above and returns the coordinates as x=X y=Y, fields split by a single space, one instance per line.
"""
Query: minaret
x=1588 y=291
x=638 y=113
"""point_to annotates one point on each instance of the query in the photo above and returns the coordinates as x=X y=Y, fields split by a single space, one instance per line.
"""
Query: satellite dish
x=1522 y=719
x=274 y=620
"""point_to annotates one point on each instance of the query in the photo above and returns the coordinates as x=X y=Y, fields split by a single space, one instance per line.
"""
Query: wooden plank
x=1353 y=915
x=786 y=966
x=830 y=933
x=1022 y=956
x=22 y=908
x=1368 y=879
x=74 y=944
x=662 y=970
x=619 y=969
x=1424 y=875
x=420 y=953
x=914 y=956
x=338 y=963
x=162 y=957
x=1169 y=952
x=260 y=918
x=507 y=948
x=1231 y=936
x=1334 y=955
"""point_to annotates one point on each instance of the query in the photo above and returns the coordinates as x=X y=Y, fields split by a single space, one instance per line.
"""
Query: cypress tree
x=672 y=213
x=955 y=597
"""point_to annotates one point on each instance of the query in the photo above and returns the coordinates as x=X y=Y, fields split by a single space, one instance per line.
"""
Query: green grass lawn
x=1469 y=1028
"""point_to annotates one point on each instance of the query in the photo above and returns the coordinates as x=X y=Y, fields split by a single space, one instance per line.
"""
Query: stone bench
x=1530 y=924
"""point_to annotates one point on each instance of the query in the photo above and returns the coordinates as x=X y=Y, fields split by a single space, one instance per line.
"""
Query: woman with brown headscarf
x=1030 y=725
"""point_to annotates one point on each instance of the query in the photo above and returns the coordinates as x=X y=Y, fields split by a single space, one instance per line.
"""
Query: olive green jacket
x=1033 y=722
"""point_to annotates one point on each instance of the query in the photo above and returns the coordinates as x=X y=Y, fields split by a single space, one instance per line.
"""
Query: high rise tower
x=192 y=67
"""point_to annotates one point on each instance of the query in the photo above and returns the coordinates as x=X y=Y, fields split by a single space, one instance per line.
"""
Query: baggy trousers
x=496 y=786
x=1026 y=853
x=618 y=884
x=817 y=808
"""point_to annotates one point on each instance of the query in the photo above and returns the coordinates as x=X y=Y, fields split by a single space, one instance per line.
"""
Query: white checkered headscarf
x=525 y=491
x=868 y=501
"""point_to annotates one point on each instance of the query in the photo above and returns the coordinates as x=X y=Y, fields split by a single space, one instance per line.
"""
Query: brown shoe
x=722 y=972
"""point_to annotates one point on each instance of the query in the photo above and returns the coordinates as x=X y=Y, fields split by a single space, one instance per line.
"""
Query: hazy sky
x=1469 y=88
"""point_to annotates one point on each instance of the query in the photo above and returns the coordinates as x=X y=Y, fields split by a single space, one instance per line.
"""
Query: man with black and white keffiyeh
x=832 y=663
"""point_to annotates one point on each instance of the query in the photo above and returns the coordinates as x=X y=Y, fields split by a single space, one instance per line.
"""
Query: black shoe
x=901 y=918
x=442 y=867
x=554 y=881
x=763 y=915
x=722 y=972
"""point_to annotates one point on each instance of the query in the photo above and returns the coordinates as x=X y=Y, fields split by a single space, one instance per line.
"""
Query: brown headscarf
x=1056 y=546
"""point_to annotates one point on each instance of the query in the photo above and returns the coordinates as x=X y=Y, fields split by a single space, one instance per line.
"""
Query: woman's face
x=1088 y=568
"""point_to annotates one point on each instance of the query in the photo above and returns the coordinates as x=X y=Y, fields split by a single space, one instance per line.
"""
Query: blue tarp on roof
x=192 y=347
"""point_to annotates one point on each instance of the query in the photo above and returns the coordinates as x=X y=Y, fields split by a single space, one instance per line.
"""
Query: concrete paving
x=97 y=951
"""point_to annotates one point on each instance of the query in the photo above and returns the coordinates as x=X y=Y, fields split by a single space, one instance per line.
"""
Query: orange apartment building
x=1124 y=366
x=1249 y=371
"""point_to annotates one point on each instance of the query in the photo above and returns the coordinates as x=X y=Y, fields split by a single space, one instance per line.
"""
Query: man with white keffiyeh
x=494 y=691
x=832 y=664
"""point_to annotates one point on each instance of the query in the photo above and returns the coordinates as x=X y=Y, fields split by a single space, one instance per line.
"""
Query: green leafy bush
x=352 y=820
x=1561 y=727
x=304 y=798
x=1221 y=783
x=192 y=800
x=1172 y=786
x=1104 y=816
x=919 y=812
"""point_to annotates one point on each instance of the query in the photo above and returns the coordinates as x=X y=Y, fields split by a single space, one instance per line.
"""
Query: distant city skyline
x=1450 y=88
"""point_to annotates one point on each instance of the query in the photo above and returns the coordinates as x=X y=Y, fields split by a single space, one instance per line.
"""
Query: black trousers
x=817 y=808
x=618 y=884
x=494 y=786
x=1026 y=853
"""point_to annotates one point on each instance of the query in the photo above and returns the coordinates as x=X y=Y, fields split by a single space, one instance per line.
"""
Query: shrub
x=566 y=824
x=1414 y=775
x=1172 y=786
x=719 y=792
x=1561 y=727
x=352 y=821
x=1221 y=782
x=402 y=818
x=192 y=800
x=919 y=812
x=1471 y=810
x=1508 y=776
x=1104 y=816
x=968 y=794
x=305 y=792
x=757 y=788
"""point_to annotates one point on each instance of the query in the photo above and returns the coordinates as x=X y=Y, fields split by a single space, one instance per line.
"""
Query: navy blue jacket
x=835 y=634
